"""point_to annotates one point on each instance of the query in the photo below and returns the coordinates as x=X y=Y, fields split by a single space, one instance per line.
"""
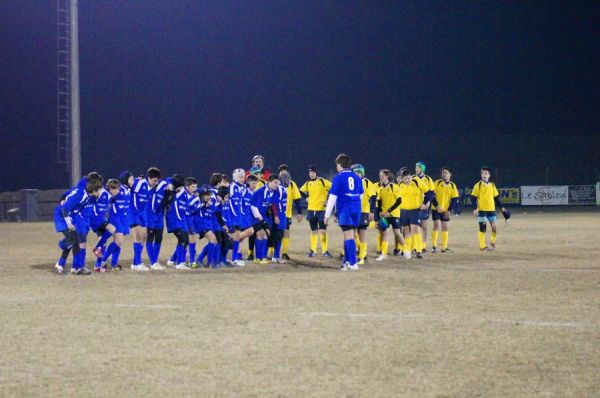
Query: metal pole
x=75 y=123
x=547 y=175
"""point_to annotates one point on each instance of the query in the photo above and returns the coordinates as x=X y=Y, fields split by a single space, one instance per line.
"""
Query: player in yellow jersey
x=368 y=204
x=413 y=203
x=388 y=203
x=485 y=200
x=316 y=190
x=445 y=199
x=293 y=197
x=428 y=184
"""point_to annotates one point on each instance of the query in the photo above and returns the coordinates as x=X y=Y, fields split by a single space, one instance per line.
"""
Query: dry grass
x=523 y=321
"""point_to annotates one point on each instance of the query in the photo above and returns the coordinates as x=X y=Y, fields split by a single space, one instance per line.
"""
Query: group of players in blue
x=222 y=212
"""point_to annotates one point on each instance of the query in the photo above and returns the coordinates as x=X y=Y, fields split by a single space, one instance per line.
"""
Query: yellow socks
x=417 y=242
x=324 y=240
x=481 y=240
x=444 y=240
x=270 y=252
x=384 y=247
x=285 y=245
x=493 y=238
x=362 y=252
x=378 y=242
x=313 y=242
x=434 y=238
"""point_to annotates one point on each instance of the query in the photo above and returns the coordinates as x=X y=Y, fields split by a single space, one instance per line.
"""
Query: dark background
x=197 y=86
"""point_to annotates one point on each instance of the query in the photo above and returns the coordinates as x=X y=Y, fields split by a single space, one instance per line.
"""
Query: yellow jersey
x=317 y=191
x=293 y=193
x=485 y=192
x=370 y=190
x=260 y=183
x=444 y=193
x=388 y=195
x=412 y=194
x=427 y=183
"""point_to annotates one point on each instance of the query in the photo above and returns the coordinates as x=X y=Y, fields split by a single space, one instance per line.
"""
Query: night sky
x=198 y=86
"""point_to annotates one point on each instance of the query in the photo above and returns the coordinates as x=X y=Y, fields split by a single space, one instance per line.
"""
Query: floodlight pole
x=75 y=113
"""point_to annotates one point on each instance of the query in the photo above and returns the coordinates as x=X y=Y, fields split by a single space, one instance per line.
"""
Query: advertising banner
x=598 y=194
x=582 y=194
x=510 y=196
x=534 y=195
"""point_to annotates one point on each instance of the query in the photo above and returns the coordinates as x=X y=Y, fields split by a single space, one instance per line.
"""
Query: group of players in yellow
x=403 y=203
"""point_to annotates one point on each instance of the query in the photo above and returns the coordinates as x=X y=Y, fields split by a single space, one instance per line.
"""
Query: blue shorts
x=121 y=224
x=425 y=214
x=487 y=216
x=282 y=224
x=155 y=220
x=138 y=218
x=349 y=218
x=247 y=222
x=437 y=216
x=191 y=228
x=316 y=219
x=393 y=222
x=410 y=217
x=99 y=226
x=82 y=227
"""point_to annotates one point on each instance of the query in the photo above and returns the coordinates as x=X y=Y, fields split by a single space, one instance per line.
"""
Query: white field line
x=149 y=306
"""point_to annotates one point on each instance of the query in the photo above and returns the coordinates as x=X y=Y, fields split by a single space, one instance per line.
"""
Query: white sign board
x=544 y=195
x=598 y=194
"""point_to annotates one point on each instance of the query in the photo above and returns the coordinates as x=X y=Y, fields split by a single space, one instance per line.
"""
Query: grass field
x=521 y=321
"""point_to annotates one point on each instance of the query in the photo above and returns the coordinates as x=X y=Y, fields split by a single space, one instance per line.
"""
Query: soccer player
x=485 y=198
x=293 y=197
x=141 y=192
x=71 y=221
x=252 y=186
x=316 y=190
x=368 y=205
x=389 y=213
x=262 y=203
x=203 y=222
x=446 y=197
x=238 y=217
x=428 y=184
x=155 y=215
x=193 y=207
x=99 y=220
x=119 y=217
x=177 y=220
x=346 y=193
x=412 y=192
x=279 y=209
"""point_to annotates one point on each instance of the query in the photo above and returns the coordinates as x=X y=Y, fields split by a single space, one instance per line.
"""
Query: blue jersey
x=217 y=209
x=155 y=209
x=348 y=188
x=177 y=212
x=248 y=219
x=235 y=206
x=121 y=202
x=262 y=199
x=100 y=210
x=204 y=218
x=75 y=202
x=228 y=217
x=140 y=195
x=280 y=200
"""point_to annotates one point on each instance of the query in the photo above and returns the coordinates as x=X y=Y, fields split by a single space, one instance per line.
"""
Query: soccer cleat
x=117 y=268
x=407 y=255
x=59 y=268
x=80 y=271
x=239 y=263
x=344 y=266
x=250 y=257
x=170 y=263
x=182 y=266
x=378 y=252
x=285 y=256
x=278 y=261
x=226 y=263
x=263 y=261
x=492 y=248
x=397 y=252
x=434 y=250
x=483 y=249
x=256 y=261
x=419 y=255
x=140 y=268
x=157 y=267
x=361 y=261
x=353 y=267
x=447 y=250
x=98 y=252
x=194 y=265
x=310 y=254
x=327 y=254
x=381 y=257
x=100 y=269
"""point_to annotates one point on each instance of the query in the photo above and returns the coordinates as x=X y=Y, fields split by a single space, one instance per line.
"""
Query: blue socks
x=104 y=238
x=350 y=251
x=109 y=251
x=137 y=253
x=192 y=252
x=155 y=252
x=150 y=251
x=116 y=252
x=205 y=251
x=236 y=248
x=277 y=250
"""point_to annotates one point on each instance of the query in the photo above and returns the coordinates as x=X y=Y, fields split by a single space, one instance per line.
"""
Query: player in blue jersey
x=262 y=208
x=155 y=214
x=346 y=193
x=72 y=222
x=193 y=202
x=239 y=215
x=99 y=220
x=177 y=221
x=203 y=224
x=141 y=192
x=280 y=220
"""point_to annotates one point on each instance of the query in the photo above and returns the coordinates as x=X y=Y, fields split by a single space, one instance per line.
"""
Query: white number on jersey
x=351 y=183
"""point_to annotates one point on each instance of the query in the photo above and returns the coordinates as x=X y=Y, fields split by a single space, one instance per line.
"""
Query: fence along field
x=522 y=321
